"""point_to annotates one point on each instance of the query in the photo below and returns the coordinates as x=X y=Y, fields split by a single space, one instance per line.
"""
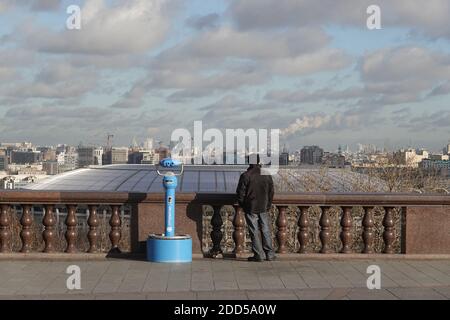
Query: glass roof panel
x=206 y=179
x=190 y=181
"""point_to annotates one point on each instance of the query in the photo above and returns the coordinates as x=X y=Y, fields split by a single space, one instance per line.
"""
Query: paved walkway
x=226 y=279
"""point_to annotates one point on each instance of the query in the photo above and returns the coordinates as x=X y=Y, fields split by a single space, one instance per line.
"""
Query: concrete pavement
x=226 y=279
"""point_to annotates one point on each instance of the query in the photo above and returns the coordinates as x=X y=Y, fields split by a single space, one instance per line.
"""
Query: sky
x=143 y=68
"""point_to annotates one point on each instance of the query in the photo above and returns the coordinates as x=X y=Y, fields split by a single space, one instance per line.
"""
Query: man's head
x=254 y=160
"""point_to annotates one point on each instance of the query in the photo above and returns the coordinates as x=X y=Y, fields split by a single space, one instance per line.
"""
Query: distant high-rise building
x=70 y=161
x=119 y=155
x=311 y=155
x=135 y=157
x=143 y=157
x=60 y=158
x=115 y=156
x=447 y=149
x=25 y=157
x=3 y=161
x=438 y=157
x=333 y=160
x=411 y=157
x=86 y=156
x=163 y=152
x=48 y=153
x=284 y=157
x=60 y=148
x=89 y=156
x=148 y=144
x=134 y=143
x=150 y=158
x=98 y=156
x=50 y=167
x=367 y=148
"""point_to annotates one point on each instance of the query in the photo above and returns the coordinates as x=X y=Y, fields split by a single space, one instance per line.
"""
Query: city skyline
x=157 y=143
x=136 y=66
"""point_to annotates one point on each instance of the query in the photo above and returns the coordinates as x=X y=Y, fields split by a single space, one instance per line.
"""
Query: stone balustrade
x=424 y=221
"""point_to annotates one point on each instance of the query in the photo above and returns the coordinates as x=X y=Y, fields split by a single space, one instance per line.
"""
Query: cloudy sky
x=142 y=68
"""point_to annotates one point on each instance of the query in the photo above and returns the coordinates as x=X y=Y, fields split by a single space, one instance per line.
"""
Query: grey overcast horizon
x=142 y=68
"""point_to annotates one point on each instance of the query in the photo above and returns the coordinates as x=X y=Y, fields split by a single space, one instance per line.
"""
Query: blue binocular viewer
x=169 y=163
x=169 y=247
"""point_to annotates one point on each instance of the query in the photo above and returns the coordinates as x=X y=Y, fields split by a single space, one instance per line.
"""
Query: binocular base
x=177 y=249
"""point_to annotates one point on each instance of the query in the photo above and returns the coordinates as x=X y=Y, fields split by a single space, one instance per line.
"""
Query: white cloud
x=224 y=59
x=34 y=5
x=7 y=73
x=429 y=18
x=129 y=27
x=403 y=63
x=310 y=63
x=389 y=76
x=44 y=5
x=228 y=42
x=55 y=81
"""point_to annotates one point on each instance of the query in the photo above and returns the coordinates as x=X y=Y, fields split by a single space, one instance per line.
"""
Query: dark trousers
x=259 y=230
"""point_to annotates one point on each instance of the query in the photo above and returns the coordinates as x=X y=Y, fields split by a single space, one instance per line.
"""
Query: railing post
x=93 y=224
x=303 y=234
x=346 y=233
x=238 y=234
x=71 y=232
x=281 y=226
x=5 y=234
x=25 y=234
x=325 y=230
x=48 y=235
x=388 y=234
x=216 y=233
x=115 y=234
x=368 y=234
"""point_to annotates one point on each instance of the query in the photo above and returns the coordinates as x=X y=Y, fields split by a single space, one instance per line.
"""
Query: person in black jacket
x=255 y=194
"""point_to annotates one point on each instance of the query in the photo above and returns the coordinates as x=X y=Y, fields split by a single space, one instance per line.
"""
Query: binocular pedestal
x=169 y=247
x=176 y=249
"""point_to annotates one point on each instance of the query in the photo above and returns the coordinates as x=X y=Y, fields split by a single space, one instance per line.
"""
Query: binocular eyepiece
x=169 y=163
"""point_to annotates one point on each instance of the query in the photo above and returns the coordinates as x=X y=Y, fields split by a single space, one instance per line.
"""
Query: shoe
x=271 y=258
x=255 y=259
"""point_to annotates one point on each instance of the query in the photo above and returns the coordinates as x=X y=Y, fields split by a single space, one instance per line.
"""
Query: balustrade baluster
x=238 y=234
x=71 y=232
x=346 y=233
x=5 y=234
x=303 y=234
x=216 y=233
x=116 y=233
x=48 y=234
x=368 y=232
x=25 y=234
x=325 y=230
x=93 y=223
x=281 y=225
x=389 y=233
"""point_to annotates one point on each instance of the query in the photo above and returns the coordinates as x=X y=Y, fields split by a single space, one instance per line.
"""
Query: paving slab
x=375 y=294
x=227 y=279
x=272 y=295
x=417 y=294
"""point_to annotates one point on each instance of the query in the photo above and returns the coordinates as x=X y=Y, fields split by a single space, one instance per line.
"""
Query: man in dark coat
x=255 y=194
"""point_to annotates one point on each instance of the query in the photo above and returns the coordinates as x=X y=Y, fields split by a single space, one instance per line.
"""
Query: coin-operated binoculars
x=169 y=247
